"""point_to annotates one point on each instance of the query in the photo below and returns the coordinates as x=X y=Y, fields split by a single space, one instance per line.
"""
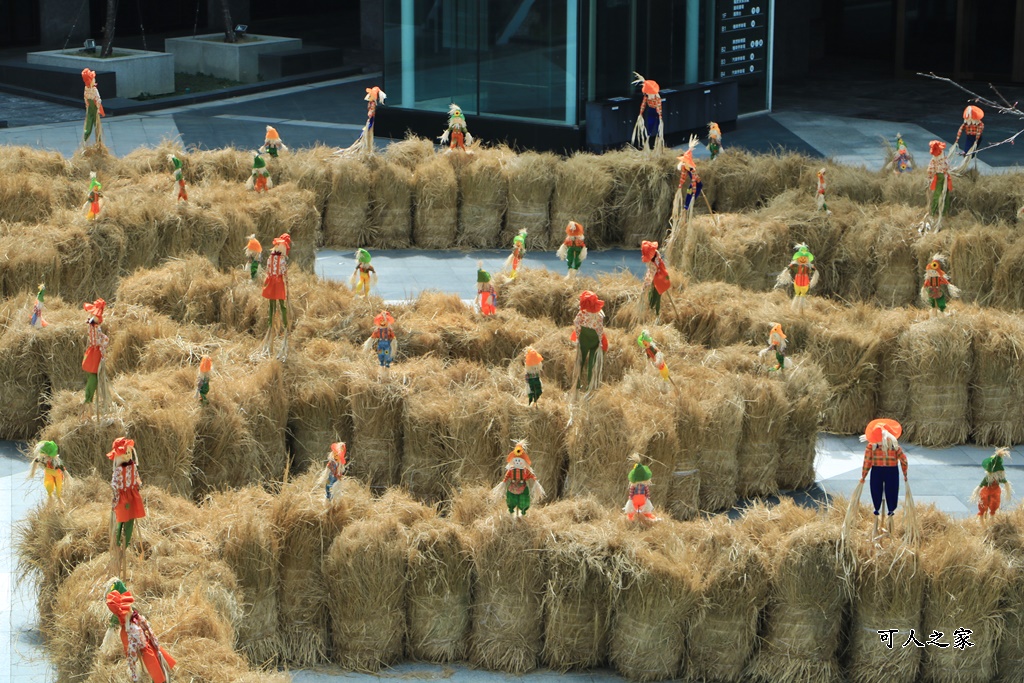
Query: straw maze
x=445 y=420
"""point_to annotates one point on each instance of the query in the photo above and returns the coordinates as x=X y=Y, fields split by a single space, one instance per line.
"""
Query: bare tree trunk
x=229 y=26
x=108 y=29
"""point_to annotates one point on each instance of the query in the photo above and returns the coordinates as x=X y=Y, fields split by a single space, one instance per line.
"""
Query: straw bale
x=427 y=457
x=24 y=382
x=507 y=610
x=91 y=259
x=144 y=212
x=894 y=382
x=733 y=590
x=438 y=591
x=807 y=393
x=974 y=256
x=990 y=198
x=365 y=570
x=997 y=383
x=852 y=182
x=143 y=161
x=436 y=204
x=1005 y=534
x=543 y=425
x=939 y=362
x=960 y=564
x=765 y=417
x=29 y=197
x=741 y=180
x=309 y=169
x=737 y=249
x=480 y=435
x=715 y=314
x=20 y=159
x=584 y=191
x=188 y=290
x=318 y=402
x=347 y=216
x=130 y=331
x=83 y=441
x=538 y=292
x=408 y=153
x=718 y=442
x=644 y=188
x=483 y=196
x=377 y=408
x=285 y=209
x=808 y=596
x=889 y=594
x=61 y=345
x=603 y=434
x=895 y=263
x=531 y=183
x=224 y=163
x=1006 y=290
x=24 y=263
x=392 y=206
x=260 y=394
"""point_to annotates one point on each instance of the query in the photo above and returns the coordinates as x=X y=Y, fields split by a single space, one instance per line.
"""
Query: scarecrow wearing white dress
x=801 y=273
x=520 y=483
x=649 y=122
x=714 y=140
x=93 y=107
x=137 y=637
x=272 y=143
x=639 y=491
x=456 y=136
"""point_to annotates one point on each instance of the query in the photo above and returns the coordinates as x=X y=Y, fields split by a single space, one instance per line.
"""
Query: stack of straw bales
x=531 y=183
x=483 y=196
x=584 y=186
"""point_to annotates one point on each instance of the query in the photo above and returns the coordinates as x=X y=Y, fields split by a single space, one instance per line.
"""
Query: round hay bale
x=347 y=215
x=438 y=591
x=806 y=393
x=436 y=205
x=584 y=188
x=392 y=206
x=377 y=408
x=483 y=196
x=365 y=572
x=997 y=381
x=531 y=184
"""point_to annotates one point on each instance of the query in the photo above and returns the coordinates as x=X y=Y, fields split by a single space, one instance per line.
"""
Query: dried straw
x=436 y=210
x=531 y=184
x=483 y=195
x=377 y=408
x=392 y=206
x=997 y=383
x=347 y=216
x=584 y=188
x=806 y=393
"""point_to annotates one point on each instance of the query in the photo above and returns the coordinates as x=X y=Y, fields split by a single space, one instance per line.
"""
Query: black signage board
x=741 y=39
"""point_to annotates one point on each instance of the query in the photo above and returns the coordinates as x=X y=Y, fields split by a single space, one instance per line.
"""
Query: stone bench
x=55 y=80
x=294 y=62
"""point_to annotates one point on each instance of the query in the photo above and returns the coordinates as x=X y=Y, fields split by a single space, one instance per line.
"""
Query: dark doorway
x=19 y=22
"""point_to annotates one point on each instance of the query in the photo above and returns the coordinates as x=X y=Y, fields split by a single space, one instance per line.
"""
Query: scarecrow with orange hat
x=534 y=363
x=96 y=348
x=940 y=184
x=54 y=472
x=94 y=201
x=801 y=273
x=203 y=379
x=93 y=107
x=259 y=180
x=364 y=143
x=651 y=125
x=518 y=251
x=457 y=130
x=335 y=469
x=573 y=249
x=272 y=143
x=690 y=186
x=382 y=340
x=275 y=291
x=639 y=490
x=714 y=140
x=591 y=342
x=486 y=295
x=988 y=494
x=776 y=344
x=883 y=458
x=37 y=319
x=656 y=281
x=364 y=274
x=126 y=506
x=179 y=177
x=969 y=133
x=253 y=255
x=519 y=482
x=937 y=290
x=819 y=196
x=137 y=636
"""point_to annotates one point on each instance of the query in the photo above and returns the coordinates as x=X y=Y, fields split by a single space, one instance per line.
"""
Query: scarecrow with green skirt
x=260 y=179
x=574 y=248
x=93 y=107
x=988 y=494
x=203 y=379
x=776 y=344
x=253 y=255
x=94 y=201
x=937 y=290
x=591 y=342
x=656 y=281
x=519 y=483
x=37 y=319
x=534 y=363
x=93 y=362
x=179 y=177
x=940 y=185
x=364 y=275
x=639 y=491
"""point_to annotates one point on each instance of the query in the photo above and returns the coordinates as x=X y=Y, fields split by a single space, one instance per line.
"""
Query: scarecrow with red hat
x=259 y=180
x=651 y=125
x=253 y=256
x=93 y=107
x=940 y=184
x=179 y=177
x=95 y=350
x=534 y=363
x=969 y=133
x=486 y=295
x=801 y=273
x=137 y=636
x=639 y=491
x=382 y=340
x=690 y=186
x=37 y=319
x=272 y=143
x=516 y=257
x=335 y=468
x=714 y=140
x=656 y=280
x=94 y=201
x=573 y=249
x=591 y=342
x=457 y=130
x=988 y=494
x=519 y=482
x=54 y=472
x=203 y=379
x=937 y=290
x=275 y=290
x=364 y=143
x=883 y=459
x=126 y=506
x=776 y=344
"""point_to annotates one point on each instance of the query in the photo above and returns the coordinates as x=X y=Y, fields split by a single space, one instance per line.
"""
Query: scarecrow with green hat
x=53 y=469
x=591 y=342
x=94 y=201
x=364 y=275
x=93 y=107
x=137 y=636
x=127 y=505
x=519 y=482
x=639 y=490
x=457 y=130
x=179 y=177
x=988 y=494
x=655 y=356
x=901 y=160
x=801 y=273
x=37 y=319
x=260 y=180
x=518 y=251
x=486 y=296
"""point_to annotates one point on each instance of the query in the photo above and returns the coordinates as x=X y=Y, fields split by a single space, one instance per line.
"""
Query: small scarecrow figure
x=519 y=483
x=54 y=472
x=801 y=273
x=94 y=201
x=776 y=344
x=93 y=362
x=901 y=161
x=591 y=342
x=137 y=637
x=655 y=356
x=272 y=143
x=253 y=256
x=690 y=186
x=639 y=491
x=656 y=280
x=819 y=197
x=987 y=494
x=937 y=290
x=382 y=340
x=93 y=107
x=646 y=126
x=969 y=134
x=940 y=184
x=486 y=296
x=37 y=319
x=259 y=180
x=516 y=257
x=275 y=291
x=534 y=363
x=179 y=177
x=457 y=130
x=126 y=505
x=714 y=140
x=574 y=249
x=203 y=379
x=883 y=458
x=364 y=143
x=364 y=275
x=335 y=469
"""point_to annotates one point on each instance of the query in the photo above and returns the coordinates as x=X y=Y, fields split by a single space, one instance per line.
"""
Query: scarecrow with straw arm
x=591 y=342
x=690 y=186
x=126 y=505
x=883 y=459
x=37 y=319
x=901 y=160
x=93 y=362
x=275 y=291
x=137 y=636
x=382 y=340
x=46 y=455
x=179 y=177
x=819 y=196
x=656 y=358
x=93 y=108
x=259 y=180
x=656 y=280
x=940 y=184
x=272 y=144
x=776 y=344
x=519 y=483
x=534 y=363
x=486 y=295
x=639 y=491
x=94 y=200
x=573 y=249
x=364 y=143
x=456 y=136
x=714 y=140
x=969 y=134
x=253 y=256
x=364 y=274
x=987 y=494
x=334 y=471
x=203 y=379
x=937 y=290
x=801 y=273
x=649 y=122
x=516 y=257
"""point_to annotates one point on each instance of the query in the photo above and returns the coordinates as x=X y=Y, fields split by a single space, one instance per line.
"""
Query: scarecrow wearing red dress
x=776 y=344
x=937 y=290
x=652 y=124
x=126 y=505
x=203 y=379
x=801 y=273
x=883 y=459
x=37 y=319
x=534 y=364
x=940 y=185
x=639 y=491
x=94 y=201
x=93 y=107
x=574 y=248
x=516 y=257
x=253 y=256
x=969 y=133
x=486 y=296
x=54 y=472
x=335 y=469
x=988 y=494
x=591 y=342
x=364 y=275
x=382 y=340
x=137 y=637
x=656 y=281
x=519 y=482
x=272 y=144
x=714 y=140
x=96 y=348
x=457 y=130
x=179 y=177
x=275 y=291
x=364 y=143
x=259 y=180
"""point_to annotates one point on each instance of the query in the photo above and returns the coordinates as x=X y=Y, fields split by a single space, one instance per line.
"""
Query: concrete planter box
x=138 y=71
x=209 y=54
